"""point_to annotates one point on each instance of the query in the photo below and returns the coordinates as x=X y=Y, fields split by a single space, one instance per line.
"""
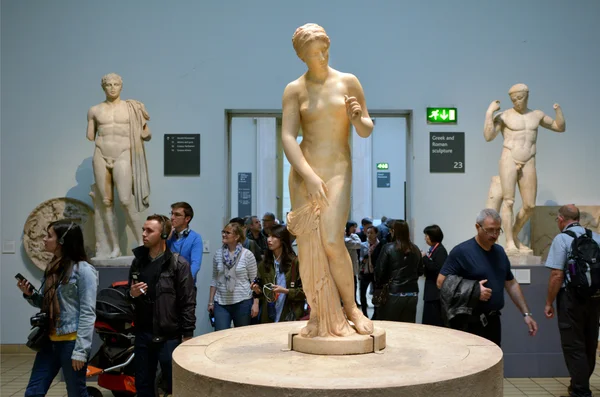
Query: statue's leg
x=104 y=188
x=528 y=187
x=123 y=176
x=333 y=220
x=494 y=194
x=299 y=198
x=508 y=180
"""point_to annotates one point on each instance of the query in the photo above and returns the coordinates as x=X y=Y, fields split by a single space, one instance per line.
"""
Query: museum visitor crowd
x=256 y=280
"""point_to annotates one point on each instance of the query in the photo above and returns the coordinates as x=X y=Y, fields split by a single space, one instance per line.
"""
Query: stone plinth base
x=524 y=260
x=121 y=261
x=355 y=344
x=418 y=361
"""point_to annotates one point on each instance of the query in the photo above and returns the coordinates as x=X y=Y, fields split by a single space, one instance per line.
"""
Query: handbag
x=380 y=296
x=38 y=338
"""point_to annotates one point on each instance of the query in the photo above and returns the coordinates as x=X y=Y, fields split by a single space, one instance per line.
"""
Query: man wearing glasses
x=481 y=259
x=183 y=240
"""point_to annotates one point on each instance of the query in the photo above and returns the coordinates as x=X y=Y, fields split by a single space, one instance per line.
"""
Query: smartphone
x=20 y=277
x=135 y=278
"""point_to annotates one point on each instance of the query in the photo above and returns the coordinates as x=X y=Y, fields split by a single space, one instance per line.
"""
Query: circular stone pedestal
x=418 y=360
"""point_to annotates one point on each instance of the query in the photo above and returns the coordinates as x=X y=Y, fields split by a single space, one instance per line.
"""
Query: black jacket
x=403 y=269
x=174 y=309
x=433 y=266
x=459 y=297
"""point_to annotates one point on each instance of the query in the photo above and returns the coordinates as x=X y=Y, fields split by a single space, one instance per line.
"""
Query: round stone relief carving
x=52 y=210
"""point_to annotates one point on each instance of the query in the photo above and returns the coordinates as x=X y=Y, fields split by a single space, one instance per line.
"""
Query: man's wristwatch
x=527 y=314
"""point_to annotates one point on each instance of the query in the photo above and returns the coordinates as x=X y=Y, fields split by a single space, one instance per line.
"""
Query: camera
x=39 y=320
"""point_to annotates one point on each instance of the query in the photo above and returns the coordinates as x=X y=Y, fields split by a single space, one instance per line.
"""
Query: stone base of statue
x=122 y=261
x=526 y=259
x=418 y=360
x=332 y=346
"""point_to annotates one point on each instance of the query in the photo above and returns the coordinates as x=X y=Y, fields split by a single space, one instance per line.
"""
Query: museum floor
x=15 y=369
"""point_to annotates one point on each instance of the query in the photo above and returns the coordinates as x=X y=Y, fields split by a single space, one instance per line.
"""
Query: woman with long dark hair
x=433 y=260
x=280 y=288
x=399 y=266
x=67 y=298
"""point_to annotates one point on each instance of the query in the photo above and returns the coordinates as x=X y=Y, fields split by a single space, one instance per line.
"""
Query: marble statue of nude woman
x=324 y=103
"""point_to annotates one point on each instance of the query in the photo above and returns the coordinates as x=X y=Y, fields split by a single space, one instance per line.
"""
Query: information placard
x=244 y=194
x=383 y=179
x=447 y=152
x=182 y=155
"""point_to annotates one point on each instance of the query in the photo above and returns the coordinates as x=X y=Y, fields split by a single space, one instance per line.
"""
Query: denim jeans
x=48 y=361
x=239 y=312
x=147 y=356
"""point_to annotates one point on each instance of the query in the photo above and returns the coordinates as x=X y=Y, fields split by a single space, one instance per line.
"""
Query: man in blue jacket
x=183 y=240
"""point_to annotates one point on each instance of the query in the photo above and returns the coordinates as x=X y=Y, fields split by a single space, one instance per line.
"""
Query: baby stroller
x=113 y=363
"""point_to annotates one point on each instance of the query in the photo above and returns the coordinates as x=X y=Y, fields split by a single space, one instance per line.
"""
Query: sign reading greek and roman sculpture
x=447 y=152
x=182 y=154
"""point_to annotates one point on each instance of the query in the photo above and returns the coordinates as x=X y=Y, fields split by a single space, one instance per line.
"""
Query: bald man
x=577 y=318
x=519 y=127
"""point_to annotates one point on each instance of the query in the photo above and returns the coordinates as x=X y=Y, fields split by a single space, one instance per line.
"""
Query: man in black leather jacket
x=162 y=288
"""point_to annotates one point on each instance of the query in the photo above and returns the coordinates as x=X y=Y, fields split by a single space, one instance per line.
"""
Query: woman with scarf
x=369 y=253
x=280 y=290
x=68 y=299
x=433 y=260
x=234 y=268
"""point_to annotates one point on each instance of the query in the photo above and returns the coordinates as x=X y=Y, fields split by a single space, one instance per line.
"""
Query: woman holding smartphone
x=68 y=298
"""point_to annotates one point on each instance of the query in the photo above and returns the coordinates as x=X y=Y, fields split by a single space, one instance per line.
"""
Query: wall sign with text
x=447 y=152
x=182 y=155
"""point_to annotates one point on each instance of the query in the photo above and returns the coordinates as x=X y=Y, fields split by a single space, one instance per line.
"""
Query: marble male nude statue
x=118 y=128
x=324 y=103
x=519 y=127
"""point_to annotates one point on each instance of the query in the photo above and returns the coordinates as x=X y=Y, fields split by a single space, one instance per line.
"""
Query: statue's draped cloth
x=318 y=284
x=141 y=183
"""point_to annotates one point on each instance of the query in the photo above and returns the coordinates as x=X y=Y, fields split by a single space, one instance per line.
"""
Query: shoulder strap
x=570 y=233
x=588 y=233
x=294 y=275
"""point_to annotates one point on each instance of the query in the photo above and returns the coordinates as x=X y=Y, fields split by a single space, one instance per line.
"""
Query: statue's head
x=519 y=94
x=311 y=44
x=112 y=84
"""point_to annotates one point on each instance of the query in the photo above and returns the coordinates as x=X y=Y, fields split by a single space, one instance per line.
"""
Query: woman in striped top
x=234 y=269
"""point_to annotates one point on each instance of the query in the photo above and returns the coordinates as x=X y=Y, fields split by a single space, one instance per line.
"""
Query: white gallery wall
x=189 y=61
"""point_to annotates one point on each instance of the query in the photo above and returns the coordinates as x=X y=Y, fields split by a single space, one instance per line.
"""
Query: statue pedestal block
x=525 y=260
x=418 y=360
x=121 y=261
x=330 y=346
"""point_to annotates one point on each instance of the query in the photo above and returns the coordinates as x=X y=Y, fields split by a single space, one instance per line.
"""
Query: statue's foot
x=511 y=249
x=311 y=330
x=363 y=325
x=115 y=253
x=523 y=249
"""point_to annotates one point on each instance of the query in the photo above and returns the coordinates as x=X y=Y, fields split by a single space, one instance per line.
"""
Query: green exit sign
x=383 y=166
x=442 y=115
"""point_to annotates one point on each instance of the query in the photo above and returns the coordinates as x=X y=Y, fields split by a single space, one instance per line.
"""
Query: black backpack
x=583 y=265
